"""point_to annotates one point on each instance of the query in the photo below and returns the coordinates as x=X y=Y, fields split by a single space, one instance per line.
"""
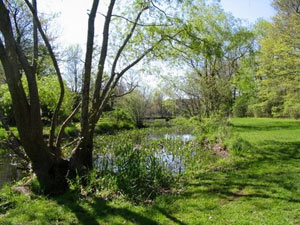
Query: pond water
x=184 y=137
x=8 y=171
x=173 y=161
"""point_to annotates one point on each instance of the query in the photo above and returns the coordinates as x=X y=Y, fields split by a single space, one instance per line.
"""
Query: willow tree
x=46 y=155
x=210 y=49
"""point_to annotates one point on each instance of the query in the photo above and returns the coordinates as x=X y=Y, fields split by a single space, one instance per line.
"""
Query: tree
x=278 y=64
x=287 y=6
x=136 y=104
x=73 y=67
x=211 y=47
x=46 y=155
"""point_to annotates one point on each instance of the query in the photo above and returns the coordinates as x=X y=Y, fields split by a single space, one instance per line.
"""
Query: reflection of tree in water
x=8 y=171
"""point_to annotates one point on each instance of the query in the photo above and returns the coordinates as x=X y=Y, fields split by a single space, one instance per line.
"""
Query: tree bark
x=50 y=172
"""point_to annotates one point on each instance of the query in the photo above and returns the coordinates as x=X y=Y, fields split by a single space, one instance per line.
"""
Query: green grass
x=258 y=186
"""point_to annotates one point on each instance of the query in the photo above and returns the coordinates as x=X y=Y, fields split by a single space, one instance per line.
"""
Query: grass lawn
x=261 y=186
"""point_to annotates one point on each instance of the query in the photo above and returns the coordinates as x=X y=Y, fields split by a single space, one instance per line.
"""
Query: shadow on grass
x=170 y=217
x=270 y=172
x=267 y=126
x=98 y=208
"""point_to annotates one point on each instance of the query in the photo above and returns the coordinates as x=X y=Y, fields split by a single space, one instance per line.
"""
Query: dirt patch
x=23 y=189
x=220 y=150
x=239 y=194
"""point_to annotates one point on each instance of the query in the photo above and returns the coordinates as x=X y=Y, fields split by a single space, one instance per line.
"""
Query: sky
x=71 y=22
x=72 y=15
x=250 y=10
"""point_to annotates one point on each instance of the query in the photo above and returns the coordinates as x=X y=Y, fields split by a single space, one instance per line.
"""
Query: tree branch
x=126 y=93
x=103 y=55
x=87 y=70
x=35 y=39
x=57 y=70
x=13 y=142
x=62 y=128
x=139 y=24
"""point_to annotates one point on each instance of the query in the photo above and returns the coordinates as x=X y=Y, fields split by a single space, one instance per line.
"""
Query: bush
x=213 y=129
x=71 y=130
x=277 y=111
x=238 y=146
x=106 y=127
x=292 y=109
x=137 y=174
x=47 y=86
x=3 y=134
x=185 y=122
x=141 y=175
x=114 y=121
x=240 y=106
x=260 y=109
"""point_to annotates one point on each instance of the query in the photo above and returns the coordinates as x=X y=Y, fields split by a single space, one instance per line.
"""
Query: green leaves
x=278 y=65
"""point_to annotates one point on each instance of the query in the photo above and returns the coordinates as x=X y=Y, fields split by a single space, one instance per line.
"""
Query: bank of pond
x=242 y=171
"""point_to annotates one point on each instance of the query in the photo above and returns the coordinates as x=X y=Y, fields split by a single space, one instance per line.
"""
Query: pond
x=9 y=171
x=171 y=159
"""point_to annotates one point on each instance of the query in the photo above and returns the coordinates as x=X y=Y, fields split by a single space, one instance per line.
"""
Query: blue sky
x=250 y=10
x=71 y=24
x=72 y=21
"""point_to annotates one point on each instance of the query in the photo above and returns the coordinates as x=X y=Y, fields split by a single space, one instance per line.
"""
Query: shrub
x=238 y=146
x=47 y=86
x=138 y=174
x=141 y=175
x=114 y=121
x=71 y=130
x=240 y=106
x=292 y=109
x=213 y=129
x=260 y=109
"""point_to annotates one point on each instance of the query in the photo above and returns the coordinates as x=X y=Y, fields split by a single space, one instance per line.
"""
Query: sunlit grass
x=258 y=186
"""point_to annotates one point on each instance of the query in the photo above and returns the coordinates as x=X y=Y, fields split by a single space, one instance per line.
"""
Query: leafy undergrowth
x=257 y=184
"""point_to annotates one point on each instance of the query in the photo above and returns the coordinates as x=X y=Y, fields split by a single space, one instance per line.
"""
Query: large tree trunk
x=82 y=157
x=50 y=171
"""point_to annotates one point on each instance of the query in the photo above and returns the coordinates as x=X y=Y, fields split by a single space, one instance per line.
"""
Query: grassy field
x=261 y=185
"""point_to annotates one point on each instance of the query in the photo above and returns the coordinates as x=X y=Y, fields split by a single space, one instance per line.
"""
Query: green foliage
x=262 y=109
x=238 y=146
x=6 y=200
x=214 y=129
x=6 y=103
x=48 y=87
x=137 y=174
x=240 y=106
x=184 y=122
x=71 y=130
x=3 y=134
x=217 y=50
x=278 y=65
x=141 y=175
x=113 y=121
x=135 y=105
x=262 y=170
x=291 y=105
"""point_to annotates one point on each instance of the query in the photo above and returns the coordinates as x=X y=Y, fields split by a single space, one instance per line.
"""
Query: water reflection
x=8 y=171
x=175 y=162
x=183 y=137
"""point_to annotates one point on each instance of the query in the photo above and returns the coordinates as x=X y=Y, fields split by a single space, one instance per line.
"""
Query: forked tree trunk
x=47 y=163
x=82 y=157
x=50 y=170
